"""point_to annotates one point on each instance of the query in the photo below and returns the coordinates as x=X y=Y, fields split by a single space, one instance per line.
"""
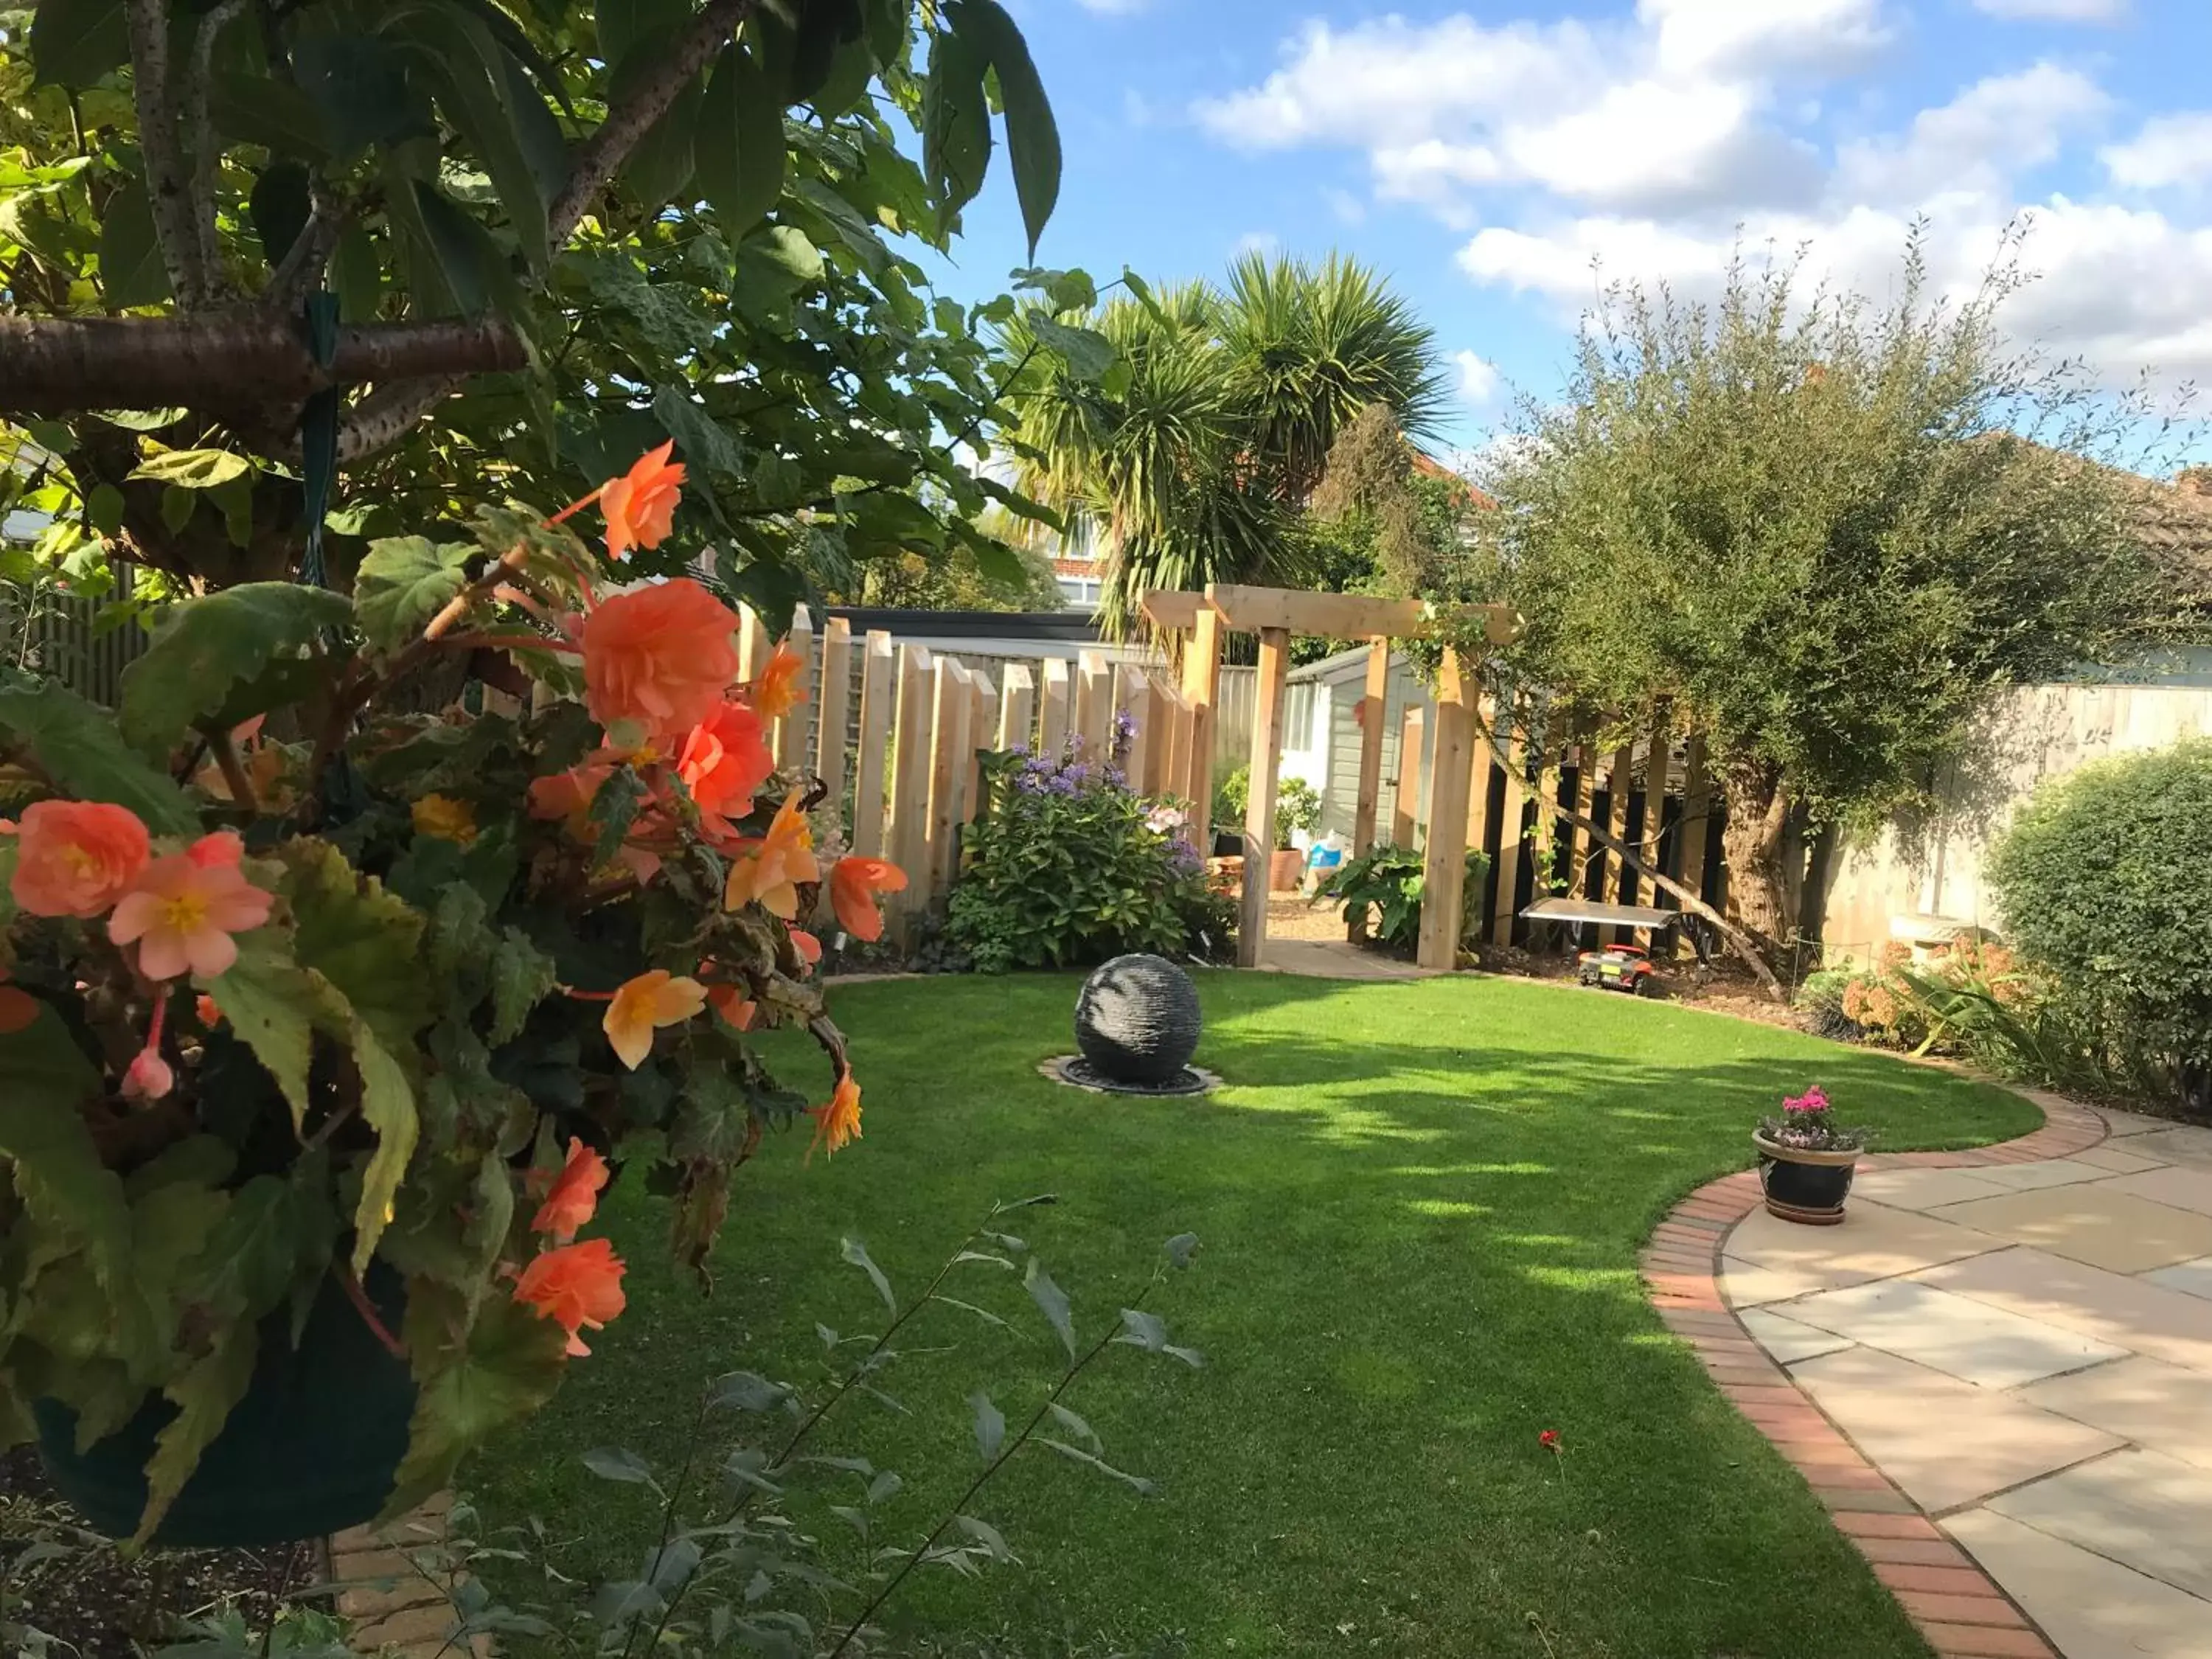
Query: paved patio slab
x=1972 y=1340
x=2176 y=1145
x=2092 y=1608
x=2138 y=1508
x=2162 y=1406
x=1945 y=1442
x=2114 y=1155
x=2106 y=1228
x=2193 y=1277
x=2051 y=1172
x=1873 y=1241
x=1924 y=1189
x=2180 y=1186
x=1788 y=1339
x=2121 y=1125
x=2148 y=1318
x=1749 y=1283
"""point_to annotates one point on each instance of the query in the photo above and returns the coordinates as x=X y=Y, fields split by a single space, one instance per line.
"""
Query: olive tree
x=1822 y=532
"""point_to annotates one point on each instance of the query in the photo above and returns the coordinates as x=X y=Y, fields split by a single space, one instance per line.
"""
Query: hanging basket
x=311 y=1450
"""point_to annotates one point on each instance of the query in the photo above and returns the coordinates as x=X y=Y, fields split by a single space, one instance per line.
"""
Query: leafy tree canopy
x=1822 y=532
x=552 y=232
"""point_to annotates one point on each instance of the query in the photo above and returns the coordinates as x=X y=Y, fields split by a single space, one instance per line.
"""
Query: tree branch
x=1740 y=942
x=59 y=366
x=169 y=184
x=602 y=153
x=199 y=134
x=304 y=262
x=384 y=417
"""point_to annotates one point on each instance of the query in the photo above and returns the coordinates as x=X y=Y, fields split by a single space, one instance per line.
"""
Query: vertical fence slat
x=833 y=706
x=879 y=683
x=952 y=695
x=982 y=714
x=1452 y=771
x=908 y=833
x=1094 y=704
x=788 y=740
x=1259 y=803
x=754 y=645
x=1692 y=828
x=1017 y=707
x=1577 y=837
x=1510 y=834
x=1129 y=683
x=1173 y=772
x=1405 y=809
x=1614 y=872
x=1055 y=714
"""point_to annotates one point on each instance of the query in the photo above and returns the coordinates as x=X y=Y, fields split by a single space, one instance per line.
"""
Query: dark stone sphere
x=1136 y=1020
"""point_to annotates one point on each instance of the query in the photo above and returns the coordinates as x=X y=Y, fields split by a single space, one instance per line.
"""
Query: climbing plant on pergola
x=1191 y=625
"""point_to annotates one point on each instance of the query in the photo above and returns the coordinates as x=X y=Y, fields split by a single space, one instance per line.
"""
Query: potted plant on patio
x=1805 y=1159
x=324 y=1021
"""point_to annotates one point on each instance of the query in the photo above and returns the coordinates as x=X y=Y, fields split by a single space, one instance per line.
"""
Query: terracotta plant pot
x=1805 y=1187
x=1285 y=871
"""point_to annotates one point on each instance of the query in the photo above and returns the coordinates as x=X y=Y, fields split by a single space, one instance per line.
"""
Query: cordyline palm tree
x=1194 y=460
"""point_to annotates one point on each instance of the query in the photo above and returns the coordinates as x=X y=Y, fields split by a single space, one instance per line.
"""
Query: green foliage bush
x=1065 y=865
x=1298 y=805
x=1391 y=879
x=2105 y=884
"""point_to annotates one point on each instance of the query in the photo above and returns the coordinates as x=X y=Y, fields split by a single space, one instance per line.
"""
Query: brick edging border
x=1958 y=1608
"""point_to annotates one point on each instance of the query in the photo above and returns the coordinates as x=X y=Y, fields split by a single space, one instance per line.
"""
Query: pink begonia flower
x=1813 y=1100
x=183 y=909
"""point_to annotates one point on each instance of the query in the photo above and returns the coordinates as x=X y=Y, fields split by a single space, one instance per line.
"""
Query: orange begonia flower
x=654 y=999
x=183 y=909
x=732 y=1005
x=640 y=505
x=837 y=1122
x=575 y=1194
x=769 y=872
x=657 y=660
x=724 y=760
x=76 y=858
x=578 y=1286
x=777 y=690
x=569 y=795
x=808 y=946
x=854 y=884
x=445 y=818
x=210 y=1015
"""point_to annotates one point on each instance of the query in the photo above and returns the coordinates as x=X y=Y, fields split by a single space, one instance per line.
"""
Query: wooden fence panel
x=754 y=644
x=907 y=831
x=1511 y=835
x=952 y=698
x=1094 y=705
x=880 y=692
x=834 y=706
x=982 y=723
x=1055 y=710
x=1017 y=708
x=788 y=740
x=1130 y=681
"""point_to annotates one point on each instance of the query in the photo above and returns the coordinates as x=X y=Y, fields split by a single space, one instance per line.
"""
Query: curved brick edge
x=1957 y=1606
x=395 y=1604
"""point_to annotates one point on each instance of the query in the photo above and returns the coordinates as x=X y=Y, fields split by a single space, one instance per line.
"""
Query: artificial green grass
x=1420 y=1205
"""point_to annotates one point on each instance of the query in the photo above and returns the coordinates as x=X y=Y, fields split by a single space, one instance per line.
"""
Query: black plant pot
x=1802 y=1186
x=311 y=1450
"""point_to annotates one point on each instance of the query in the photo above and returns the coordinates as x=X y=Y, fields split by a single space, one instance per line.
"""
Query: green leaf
x=1032 y=136
x=699 y=440
x=256 y=109
x=745 y=1391
x=620 y=1464
x=58 y=1173
x=956 y=116
x=130 y=269
x=209 y=646
x=74 y=43
x=205 y=1395
x=355 y=275
x=521 y=977
x=851 y=1249
x=1053 y=1300
x=986 y=1535
x=1087 y=353
x=1076 y=1427
x=475 y=1376
x=1076 y=1454
x=387 y=1106
x=274 y=1007
x=990 y=1425
x=364 y=940
x=254 y=1258
x=280 y=208
x=714 y=1118
x=739 y=152
x=459 y=57
x=191 y=468
x=403 y=582
x=661 y=163
x=78 y=745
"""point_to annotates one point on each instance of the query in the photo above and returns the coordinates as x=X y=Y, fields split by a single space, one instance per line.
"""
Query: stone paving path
x=2017 y=1343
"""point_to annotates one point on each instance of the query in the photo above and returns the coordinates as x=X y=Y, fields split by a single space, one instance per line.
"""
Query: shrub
x=1391 y=879
x=1065 y=865
x=2105 y=885
x=1298 y=805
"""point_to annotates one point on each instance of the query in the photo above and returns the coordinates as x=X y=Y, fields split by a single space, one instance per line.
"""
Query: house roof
x=1429 y=467
x=2174 y=524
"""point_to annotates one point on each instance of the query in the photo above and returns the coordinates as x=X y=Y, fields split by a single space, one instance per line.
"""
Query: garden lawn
x=1420 y=1205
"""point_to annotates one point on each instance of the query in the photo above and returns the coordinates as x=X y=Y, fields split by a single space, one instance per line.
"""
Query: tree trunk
x=1750 y=841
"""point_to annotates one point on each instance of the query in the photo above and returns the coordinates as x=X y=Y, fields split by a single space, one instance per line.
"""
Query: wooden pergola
x=1196 y=623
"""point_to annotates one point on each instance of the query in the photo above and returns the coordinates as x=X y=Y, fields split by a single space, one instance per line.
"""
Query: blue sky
x=1483 y=154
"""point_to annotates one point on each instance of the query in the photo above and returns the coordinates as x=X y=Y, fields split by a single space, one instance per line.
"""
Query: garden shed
x=1322 y=733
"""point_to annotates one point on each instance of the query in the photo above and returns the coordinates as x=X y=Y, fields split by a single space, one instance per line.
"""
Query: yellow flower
x=769 y=872
x=837 y=1122
x=642 y=1005
x=445 y=818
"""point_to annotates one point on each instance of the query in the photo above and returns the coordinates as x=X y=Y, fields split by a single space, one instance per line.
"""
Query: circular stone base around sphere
x=1079 y=1073
x=1137 y=1021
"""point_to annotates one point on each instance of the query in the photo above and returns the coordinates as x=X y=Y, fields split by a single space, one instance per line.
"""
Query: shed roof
x=1343 y=665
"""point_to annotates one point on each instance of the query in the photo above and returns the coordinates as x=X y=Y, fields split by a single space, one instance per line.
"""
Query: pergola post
x=1260 y=805
x=1451 y=778
x=1201 y=684
x=1374 y=710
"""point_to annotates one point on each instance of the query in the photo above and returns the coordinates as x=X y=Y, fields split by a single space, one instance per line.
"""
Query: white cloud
x=1478 y=377
x=1114 y=8
x=2170 y=150
x=1991 y=132
x=1348 y=208
x=1257 y=242
x=2057 y=11
x=1703 y=35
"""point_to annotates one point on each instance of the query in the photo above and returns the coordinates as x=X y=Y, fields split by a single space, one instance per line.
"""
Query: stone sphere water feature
x=1137 y=1024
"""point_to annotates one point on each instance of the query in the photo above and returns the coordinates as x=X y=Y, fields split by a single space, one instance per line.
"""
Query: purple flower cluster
x=1125 y=733
x=1183 y=859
